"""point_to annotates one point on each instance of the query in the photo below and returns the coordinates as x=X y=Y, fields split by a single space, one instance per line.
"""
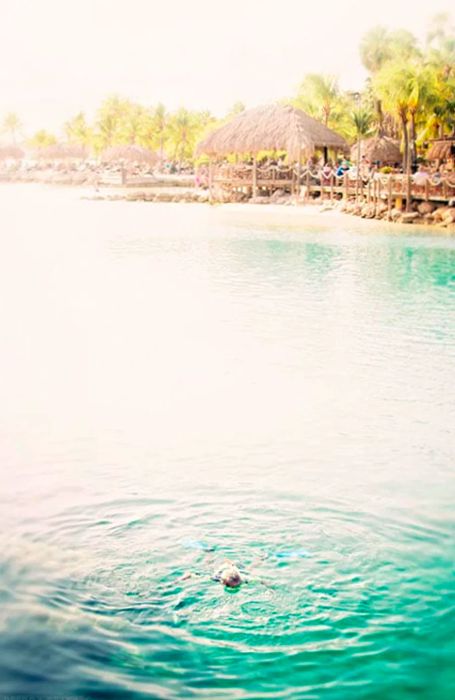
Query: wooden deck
x=305 y=184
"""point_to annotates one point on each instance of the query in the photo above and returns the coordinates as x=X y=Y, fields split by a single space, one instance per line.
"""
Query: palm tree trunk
x=412 y=140
x=380 y=114
x=182 y=147
x=326 y=111
x=404 y=127
x=408 y=151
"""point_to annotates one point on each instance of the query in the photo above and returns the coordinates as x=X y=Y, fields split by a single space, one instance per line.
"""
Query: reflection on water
x=183 y=384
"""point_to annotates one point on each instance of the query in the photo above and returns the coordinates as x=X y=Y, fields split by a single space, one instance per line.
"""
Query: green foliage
x=379 y=46
x=77 y=130
x=410 y=88
x=184 y=130
x=237 y=108
x=12 y=125
x=320 y=97
x=42 y=138
x=363 y=122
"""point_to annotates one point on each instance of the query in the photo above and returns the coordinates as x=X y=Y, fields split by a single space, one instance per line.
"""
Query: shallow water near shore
x=183 y=384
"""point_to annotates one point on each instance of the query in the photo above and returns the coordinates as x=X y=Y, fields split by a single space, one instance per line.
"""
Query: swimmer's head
x=230 y=577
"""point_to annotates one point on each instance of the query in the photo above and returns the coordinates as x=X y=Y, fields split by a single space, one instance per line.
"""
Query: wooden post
x=389 y=198
x=255 y=176
x=346 y=186
x=408 y=191
x=308 y=183
x=299 y=174
x=379 y=187
x=427 y=190
x=210 y=181
x=369 y=192
x=331 y=187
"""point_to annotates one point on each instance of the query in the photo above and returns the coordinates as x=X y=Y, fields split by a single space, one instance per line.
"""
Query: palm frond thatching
x=378 y=148
x=442 y=149
x=62 y=151
x=271 y=128
x=130 y=153
x=11 y=152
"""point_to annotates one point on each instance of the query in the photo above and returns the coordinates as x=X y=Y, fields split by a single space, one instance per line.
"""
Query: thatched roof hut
x=129 y=153
x=378 y=148
x=11 y=153
x=62 y=151
x=271 y=128
x=442 y=149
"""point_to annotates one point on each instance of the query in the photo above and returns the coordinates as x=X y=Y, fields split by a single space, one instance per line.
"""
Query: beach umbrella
x=378 y=148
x=274 y=127
x=128 y=153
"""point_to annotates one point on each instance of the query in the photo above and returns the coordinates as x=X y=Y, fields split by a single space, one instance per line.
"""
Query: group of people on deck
x=367 y=170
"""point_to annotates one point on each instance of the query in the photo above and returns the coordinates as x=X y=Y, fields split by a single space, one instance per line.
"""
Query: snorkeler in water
x=229 y=575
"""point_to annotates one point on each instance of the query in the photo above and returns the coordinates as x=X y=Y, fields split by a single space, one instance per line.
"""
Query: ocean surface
x=181 y=384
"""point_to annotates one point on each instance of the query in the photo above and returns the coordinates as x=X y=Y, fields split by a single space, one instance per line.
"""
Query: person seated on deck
x=421 y=177
x=326 y=173
x=353 y=172
x=364 y=169
x=343 y=167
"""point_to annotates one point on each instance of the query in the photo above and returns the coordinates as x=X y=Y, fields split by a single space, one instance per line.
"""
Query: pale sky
x=59 y=57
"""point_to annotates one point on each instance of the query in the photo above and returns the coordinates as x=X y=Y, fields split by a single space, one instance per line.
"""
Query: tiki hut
x=272 y=128
x=378 y=148
x=11 y=153
x=442 y=149
x=128 y=153
x=62 y=151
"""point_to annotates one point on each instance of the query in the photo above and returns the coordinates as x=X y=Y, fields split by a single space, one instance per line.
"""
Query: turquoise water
x=183 y=384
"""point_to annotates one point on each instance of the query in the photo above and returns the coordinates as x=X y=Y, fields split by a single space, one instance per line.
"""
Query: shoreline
x=337 y=210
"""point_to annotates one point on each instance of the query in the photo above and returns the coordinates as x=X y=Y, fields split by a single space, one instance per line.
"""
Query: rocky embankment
x=426 y=213
x=152 y=195
x=48 y=177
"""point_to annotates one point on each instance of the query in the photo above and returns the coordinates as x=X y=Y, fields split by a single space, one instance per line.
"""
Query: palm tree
x=160 y=119
x=236 y=108
x=441 y=43
x=420 y=82
x=77 y=130
x=378 y=47
x=42 y=138
x=391 y=84
x=319 y=95
x=12 y=125
x=134 y=126
x=363 y=122
x=109 y=121
x=441 y=64
x=181 y=134
x=375 y=50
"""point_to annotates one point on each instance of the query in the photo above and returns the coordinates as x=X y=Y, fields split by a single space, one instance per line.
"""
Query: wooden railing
x=304 y=181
